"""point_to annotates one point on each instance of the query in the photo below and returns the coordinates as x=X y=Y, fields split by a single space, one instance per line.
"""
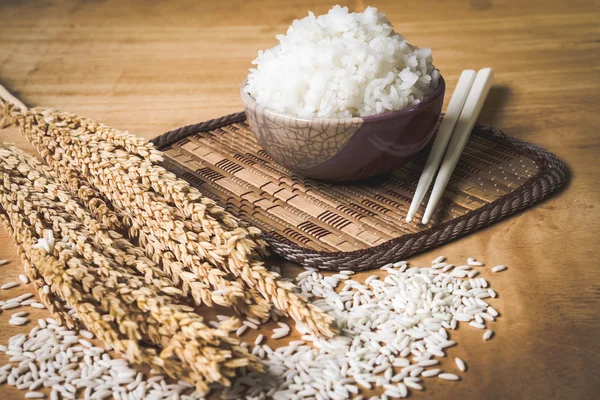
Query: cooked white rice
x=342 y=64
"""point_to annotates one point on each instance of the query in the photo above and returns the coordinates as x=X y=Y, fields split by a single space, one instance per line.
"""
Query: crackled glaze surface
x=295 y=143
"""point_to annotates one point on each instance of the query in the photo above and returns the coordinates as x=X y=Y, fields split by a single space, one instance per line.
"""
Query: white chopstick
x=466 y=121
x=443 y=137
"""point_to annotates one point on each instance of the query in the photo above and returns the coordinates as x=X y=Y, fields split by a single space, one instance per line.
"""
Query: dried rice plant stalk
x=121 y=296
x=187 y=281
x=53 y=303
x=198 y=233
x=93 y=200
x=221 y=289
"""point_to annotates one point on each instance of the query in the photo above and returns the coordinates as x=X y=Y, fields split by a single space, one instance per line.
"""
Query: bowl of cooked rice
x=343 y=97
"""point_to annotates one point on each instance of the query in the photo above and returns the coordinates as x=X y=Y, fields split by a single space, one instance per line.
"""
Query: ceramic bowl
x=345 y=149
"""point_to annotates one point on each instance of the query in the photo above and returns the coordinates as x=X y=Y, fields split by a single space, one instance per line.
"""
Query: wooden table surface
x=149 y=66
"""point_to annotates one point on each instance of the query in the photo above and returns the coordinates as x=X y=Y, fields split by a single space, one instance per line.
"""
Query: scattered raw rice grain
x=413 y=385
x=499 y=268
x=460 y=364
x=18 y=321
x=86 y=334
x=34 y=395
x=430 y=373
x=9 y=285
x=477 y=325
x=250 y=325
x=24 y=296
x=38 y=305
x=438 y=260
x=9 y=306
x=474 y=263
x=279 y=333
x=3 y=262
x=240 y=331
x=472 y=274
x=448 y=376
x=258 y=339
x=487 y=335
x=284 y=326
x=20 y=314
x=23 y=278
x=492 y=311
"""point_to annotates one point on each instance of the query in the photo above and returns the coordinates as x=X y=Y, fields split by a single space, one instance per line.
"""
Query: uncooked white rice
x=460 y=364
x=449 y=377
x=241 y=330
x=488 y=335
x=86 y=334
x=9 y=285
x=18 y=321
x=250 y=325
x=51 y=356
x=474 y=263
x=389 y=339
x=20 y=314
x=438 y=260
x=492 y=311
x=499 y=268
x=393 y=330
x=341 y=65
x=430 y=372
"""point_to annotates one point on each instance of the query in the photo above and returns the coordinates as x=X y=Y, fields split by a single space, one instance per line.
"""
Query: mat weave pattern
x=360 y=225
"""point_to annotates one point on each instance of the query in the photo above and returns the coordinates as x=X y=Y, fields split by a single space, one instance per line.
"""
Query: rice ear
x=167 y=212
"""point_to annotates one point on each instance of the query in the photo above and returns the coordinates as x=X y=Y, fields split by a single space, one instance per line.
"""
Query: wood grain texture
x=150 y=66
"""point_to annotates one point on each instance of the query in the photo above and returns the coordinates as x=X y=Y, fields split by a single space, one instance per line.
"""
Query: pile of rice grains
x=121 y=250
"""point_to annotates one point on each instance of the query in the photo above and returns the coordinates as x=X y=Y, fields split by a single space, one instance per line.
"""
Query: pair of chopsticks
x=461 y=114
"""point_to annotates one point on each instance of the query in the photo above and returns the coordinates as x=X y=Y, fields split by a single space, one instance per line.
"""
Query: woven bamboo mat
x=360 y=225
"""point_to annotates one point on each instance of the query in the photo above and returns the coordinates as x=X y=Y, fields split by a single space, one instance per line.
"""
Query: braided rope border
x=552 y=175
x=166 y=139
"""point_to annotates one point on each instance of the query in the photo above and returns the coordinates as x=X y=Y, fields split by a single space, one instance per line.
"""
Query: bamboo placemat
x=360 y=225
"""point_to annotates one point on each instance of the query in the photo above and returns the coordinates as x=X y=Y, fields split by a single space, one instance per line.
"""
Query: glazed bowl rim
x=439 y=91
